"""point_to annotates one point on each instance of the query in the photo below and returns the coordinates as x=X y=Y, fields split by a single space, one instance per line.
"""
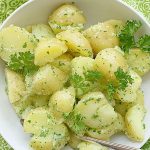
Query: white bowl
x=37 y=11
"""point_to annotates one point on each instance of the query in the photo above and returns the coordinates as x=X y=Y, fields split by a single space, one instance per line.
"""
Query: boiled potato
x=129 y=94
x=95 y=110
x=47 y=50
x=134 y=123
x=82 y=64
x=91 y=146
x=37 y=119
x=78 y=45
x=109 y=60
x=41 y=31
x=15 y=85
x=139 y=61
x=106 y=132
x=122 y=107
x=73 y=141
x=49 y=139
x=15 y=39
x=63 y=62
x=47 y=80
x=101 y=36
x=62 y=101
x=65 y=17
x=117 y=24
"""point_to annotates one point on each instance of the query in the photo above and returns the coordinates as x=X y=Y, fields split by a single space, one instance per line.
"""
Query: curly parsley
x=23 y=62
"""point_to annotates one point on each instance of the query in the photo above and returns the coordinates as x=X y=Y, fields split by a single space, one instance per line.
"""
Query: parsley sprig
x=83 y=83
x=123 y=79
x=75 y=122
x=127 y=39
x=23 y=62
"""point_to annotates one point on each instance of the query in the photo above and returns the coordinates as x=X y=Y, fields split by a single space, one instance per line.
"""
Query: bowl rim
x=121 y=2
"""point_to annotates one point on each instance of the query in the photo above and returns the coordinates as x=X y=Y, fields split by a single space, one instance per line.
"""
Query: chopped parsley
x=127 y=39
x=144 y=43
x=126 y=36
x=77 y=124
x=111 y=90
x=24 y=45
x=23 y=62
x=123 y=78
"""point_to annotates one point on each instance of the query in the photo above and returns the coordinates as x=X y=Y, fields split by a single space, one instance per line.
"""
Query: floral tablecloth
x=8 y=6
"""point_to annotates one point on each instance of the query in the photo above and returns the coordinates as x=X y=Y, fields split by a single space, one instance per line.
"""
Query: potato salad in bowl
x=65 y=80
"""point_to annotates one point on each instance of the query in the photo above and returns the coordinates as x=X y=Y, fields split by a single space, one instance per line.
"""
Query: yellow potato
x=63 y=62
x=109 y=60
x=41 y=31
x=15 y=39
x=139 y=61
x=134 y=123
x=15 y=85
x=101 y=36
x=62 y=101
x=47 y=50
x=95 y=110
x=37 y=119
x=66 y=16
x=106 y=132
x=48 y=80
x=78 y=45
x=49 y=139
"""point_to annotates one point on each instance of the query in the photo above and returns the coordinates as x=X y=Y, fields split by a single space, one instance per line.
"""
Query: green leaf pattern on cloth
x=8 y=6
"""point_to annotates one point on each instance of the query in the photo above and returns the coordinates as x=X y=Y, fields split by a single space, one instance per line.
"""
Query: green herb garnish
x=123 y=79
x=23 y=62
x=126 y=35
x=111 y=90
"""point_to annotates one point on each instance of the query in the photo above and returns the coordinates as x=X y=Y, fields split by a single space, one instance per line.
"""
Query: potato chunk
x=15 y=85
x=101 y=36
x=109 y=60
x=65 y=17
x=134 y=123
x=49 y=49
x=48 y=80
x=78 y=45
x=139 y=61
x=95 y=110
x=15 y=39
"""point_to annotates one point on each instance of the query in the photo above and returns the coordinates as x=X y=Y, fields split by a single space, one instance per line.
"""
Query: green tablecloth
x=8 y=6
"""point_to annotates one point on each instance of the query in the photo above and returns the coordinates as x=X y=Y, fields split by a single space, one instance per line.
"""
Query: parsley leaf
x=126 y=36
x=123 y=78
x=144 y=43
x=111 y=90
x=23 y=62
x=75 y=122
x=92 y=75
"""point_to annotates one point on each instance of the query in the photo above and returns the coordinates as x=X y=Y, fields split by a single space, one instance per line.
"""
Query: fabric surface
x=8 y=6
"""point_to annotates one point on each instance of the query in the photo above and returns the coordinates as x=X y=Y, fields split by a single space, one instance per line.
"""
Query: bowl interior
x=37 y=11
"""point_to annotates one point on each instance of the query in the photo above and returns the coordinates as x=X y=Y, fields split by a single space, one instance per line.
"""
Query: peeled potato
x=47 y=50
x=37 y=119
x=62 y=101
x=134 y=123
x=109 y=60
x=15 y=85
x=48 y=80
x=65 y=17
x=78 y=45
x=41 y=31
x=139 y=61
x=101 y=36
x=15 y=39
x=106 y=132
x=95 y=110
